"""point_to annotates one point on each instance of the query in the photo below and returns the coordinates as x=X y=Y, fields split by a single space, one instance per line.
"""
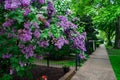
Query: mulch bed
x=38 y=71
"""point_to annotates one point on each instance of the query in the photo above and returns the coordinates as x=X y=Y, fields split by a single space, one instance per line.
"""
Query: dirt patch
x=37 y=72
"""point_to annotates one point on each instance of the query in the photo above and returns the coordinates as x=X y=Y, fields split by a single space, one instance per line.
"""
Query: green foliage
x=61 y=6
x=104 y=14
x=6 y=77
x=78 y=7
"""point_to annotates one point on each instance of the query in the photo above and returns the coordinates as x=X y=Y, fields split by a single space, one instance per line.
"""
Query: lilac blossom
x=73 y=25
x=7 y=4
x=62 y=18
x=14 y=30
x=79 y=42
x=35 y=24
x=43 y=43
x=65 y=24
x=25 y=35
x=47 y=24
x=22 y=64
x=60 y=42
x=6 y=56
x=9 y=22
x=28 y=51
x=82 y=56
x=25 y=3
x=27 y=11
x=69 y=33
x=11 y=71
x=36 y=33
x=10 y=35
x=49 y=19
x=12 y=4
x=41 y=1
x=27 y=25
x=15 y=4
x=50 y=9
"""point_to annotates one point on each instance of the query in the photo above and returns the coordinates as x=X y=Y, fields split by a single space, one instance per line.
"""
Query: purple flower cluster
x=47 y=24
x=50 y=9
x=27 y=11
x=9 y=22
x=69 y=33
x=25 y=3
x=11 y=71
x=27 y=25
x=27 y=50
x=49 y=19
x=36 y=33
x=41 y=1
x=43 y=43
x=79 y=42
x=13 y=4
x=6 y=56
x=82 y=56
x=25 y=35
x=62 y=18
x=35 y=24
x=65 y=24
x=60 y=42
x=22 y=64
x=10 y=35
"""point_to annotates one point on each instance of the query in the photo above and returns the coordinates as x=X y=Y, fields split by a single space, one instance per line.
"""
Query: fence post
x=48 y=61
x=94 y=47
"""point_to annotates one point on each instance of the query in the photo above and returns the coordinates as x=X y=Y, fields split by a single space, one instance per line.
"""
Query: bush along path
x=31 y=28
x=98 y=67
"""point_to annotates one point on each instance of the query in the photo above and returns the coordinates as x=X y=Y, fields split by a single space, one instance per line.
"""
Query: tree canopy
x=104 y=13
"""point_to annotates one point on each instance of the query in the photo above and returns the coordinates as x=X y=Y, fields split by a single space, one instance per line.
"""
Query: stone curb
x=68 y=75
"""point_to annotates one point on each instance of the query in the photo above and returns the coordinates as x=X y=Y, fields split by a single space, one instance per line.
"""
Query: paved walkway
x=97 y=67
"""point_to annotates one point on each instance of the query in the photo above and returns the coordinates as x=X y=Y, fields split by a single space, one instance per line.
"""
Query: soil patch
x=37 y=72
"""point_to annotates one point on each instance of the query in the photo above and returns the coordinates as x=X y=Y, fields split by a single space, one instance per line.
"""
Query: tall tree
x=105 y=15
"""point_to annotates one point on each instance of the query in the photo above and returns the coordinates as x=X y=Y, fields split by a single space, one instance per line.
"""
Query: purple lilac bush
x=23 y=36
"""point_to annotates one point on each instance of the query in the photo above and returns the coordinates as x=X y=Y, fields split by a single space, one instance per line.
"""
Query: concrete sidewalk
x=98 y=67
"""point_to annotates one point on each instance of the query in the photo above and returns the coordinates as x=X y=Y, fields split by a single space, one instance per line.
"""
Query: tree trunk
x=109 y=38
x=117 y=33
x=109 y=43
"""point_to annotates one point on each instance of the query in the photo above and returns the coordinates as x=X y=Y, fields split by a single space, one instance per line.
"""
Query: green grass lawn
x=59 y=63
x=70 y=62
x=114 y=55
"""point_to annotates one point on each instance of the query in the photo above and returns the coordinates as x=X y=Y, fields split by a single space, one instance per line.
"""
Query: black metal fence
x=47 y=61
x=71 y=61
